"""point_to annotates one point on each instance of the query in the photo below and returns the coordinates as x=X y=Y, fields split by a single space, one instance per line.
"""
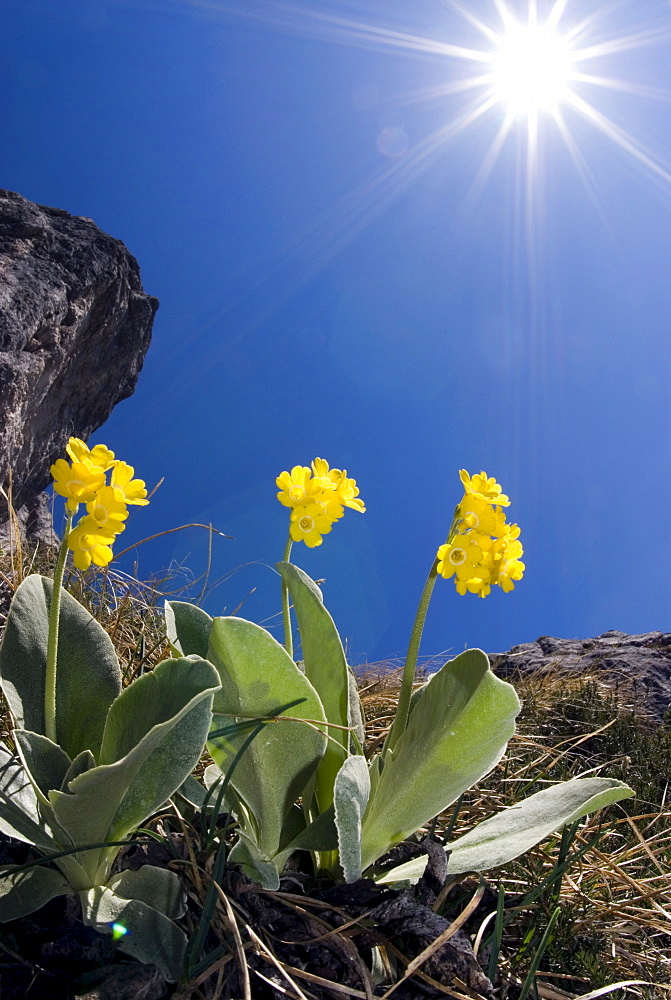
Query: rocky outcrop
x=638 y=667
x=75 y=325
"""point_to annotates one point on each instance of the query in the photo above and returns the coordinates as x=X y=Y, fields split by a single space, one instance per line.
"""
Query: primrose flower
x=487 y=550
x=98 y=456
x=308 y=524
x=479 y=514
x=346 y=489
x=299 y=487
x=318 y=496
x=90 y=542
x=505 y=560
x=85 y=481
x=486 y=488
x=78 y=483
x=131 y=490
x=108 y=509
x=462 y=556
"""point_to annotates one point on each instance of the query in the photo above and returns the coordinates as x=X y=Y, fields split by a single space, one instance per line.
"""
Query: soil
x=51 y=955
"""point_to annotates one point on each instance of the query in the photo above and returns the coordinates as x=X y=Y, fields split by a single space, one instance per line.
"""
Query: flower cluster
x=486 y=550
x=84 y=480
x=317 y=497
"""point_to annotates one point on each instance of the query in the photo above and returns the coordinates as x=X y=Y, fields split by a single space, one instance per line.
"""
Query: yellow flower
x=484 y=487
x=308 y=524
x=98 y=456
x=78 y=483
x=90 y=542
x=346 y=489
x=462 y=556
x=132 y=491
x=298 y=487
x=330 y=505
x=487 y=552
x=474 y=585
x=505 y=560
x=478 y=514
x=108 y=509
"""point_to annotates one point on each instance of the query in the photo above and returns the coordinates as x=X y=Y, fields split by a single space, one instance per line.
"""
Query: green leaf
x=354 y=712
x=27 y=891
x=352 y=788
x=157 y=887
x=326 y=669
x=188 y=628
x=82 y=762
x=20 y=816
x=456 y=733
x=46 y=763
x=513 y=831
x=151 y=937
x=154 y=737
x=254 y=864
x=320 y=835
x=195 y=794
x=258 y=677
x=88 y=678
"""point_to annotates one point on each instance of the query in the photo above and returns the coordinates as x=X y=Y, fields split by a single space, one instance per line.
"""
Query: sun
x=532 y=70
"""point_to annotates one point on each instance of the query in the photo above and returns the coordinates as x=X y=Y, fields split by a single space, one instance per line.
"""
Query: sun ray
x=490 y=158
x=490 y=34
x=625 y=43
x=556 y=14
x=623 y=86
x=619 y=136
x=583 y=170
x=335 y=29
x=442 y=90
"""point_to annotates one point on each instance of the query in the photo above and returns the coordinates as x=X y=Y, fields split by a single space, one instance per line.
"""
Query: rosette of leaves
x=119 y=754
x=354 y=810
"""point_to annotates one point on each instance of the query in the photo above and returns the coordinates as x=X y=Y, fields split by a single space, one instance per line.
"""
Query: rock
x=637 y=667
x=35 y=523
x=75 y=325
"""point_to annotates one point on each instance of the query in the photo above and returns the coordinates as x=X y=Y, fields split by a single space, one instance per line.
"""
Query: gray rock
x=636 y=667
x=75 y=325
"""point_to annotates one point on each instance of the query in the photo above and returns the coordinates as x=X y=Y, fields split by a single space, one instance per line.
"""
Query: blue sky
x=344 y=273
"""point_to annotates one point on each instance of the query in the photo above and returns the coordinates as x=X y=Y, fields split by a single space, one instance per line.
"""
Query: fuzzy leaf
x=154 y=737
x=157 y=887
x=258 y=868
x=355 y=713
x=27 y=891
x=326 y=669
x=19 y=813
x=352 y=788
x=188 y=628
x=258 y=677
x=513 y=831
x=46 y=763
x=82 y=762
x=151 y=936
x=88 y=678
x=456 y=733
x=320 y=835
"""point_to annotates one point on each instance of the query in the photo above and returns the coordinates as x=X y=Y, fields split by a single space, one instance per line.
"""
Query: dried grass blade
x=239 y=947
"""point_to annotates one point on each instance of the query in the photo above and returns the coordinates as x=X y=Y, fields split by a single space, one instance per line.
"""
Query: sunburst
x=514 y=71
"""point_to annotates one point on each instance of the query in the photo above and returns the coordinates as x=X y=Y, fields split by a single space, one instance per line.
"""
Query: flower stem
x=403 y=710
x=52 y=639
x=286 y=610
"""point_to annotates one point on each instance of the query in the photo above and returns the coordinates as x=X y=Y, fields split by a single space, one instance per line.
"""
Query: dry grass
x=615 y=917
